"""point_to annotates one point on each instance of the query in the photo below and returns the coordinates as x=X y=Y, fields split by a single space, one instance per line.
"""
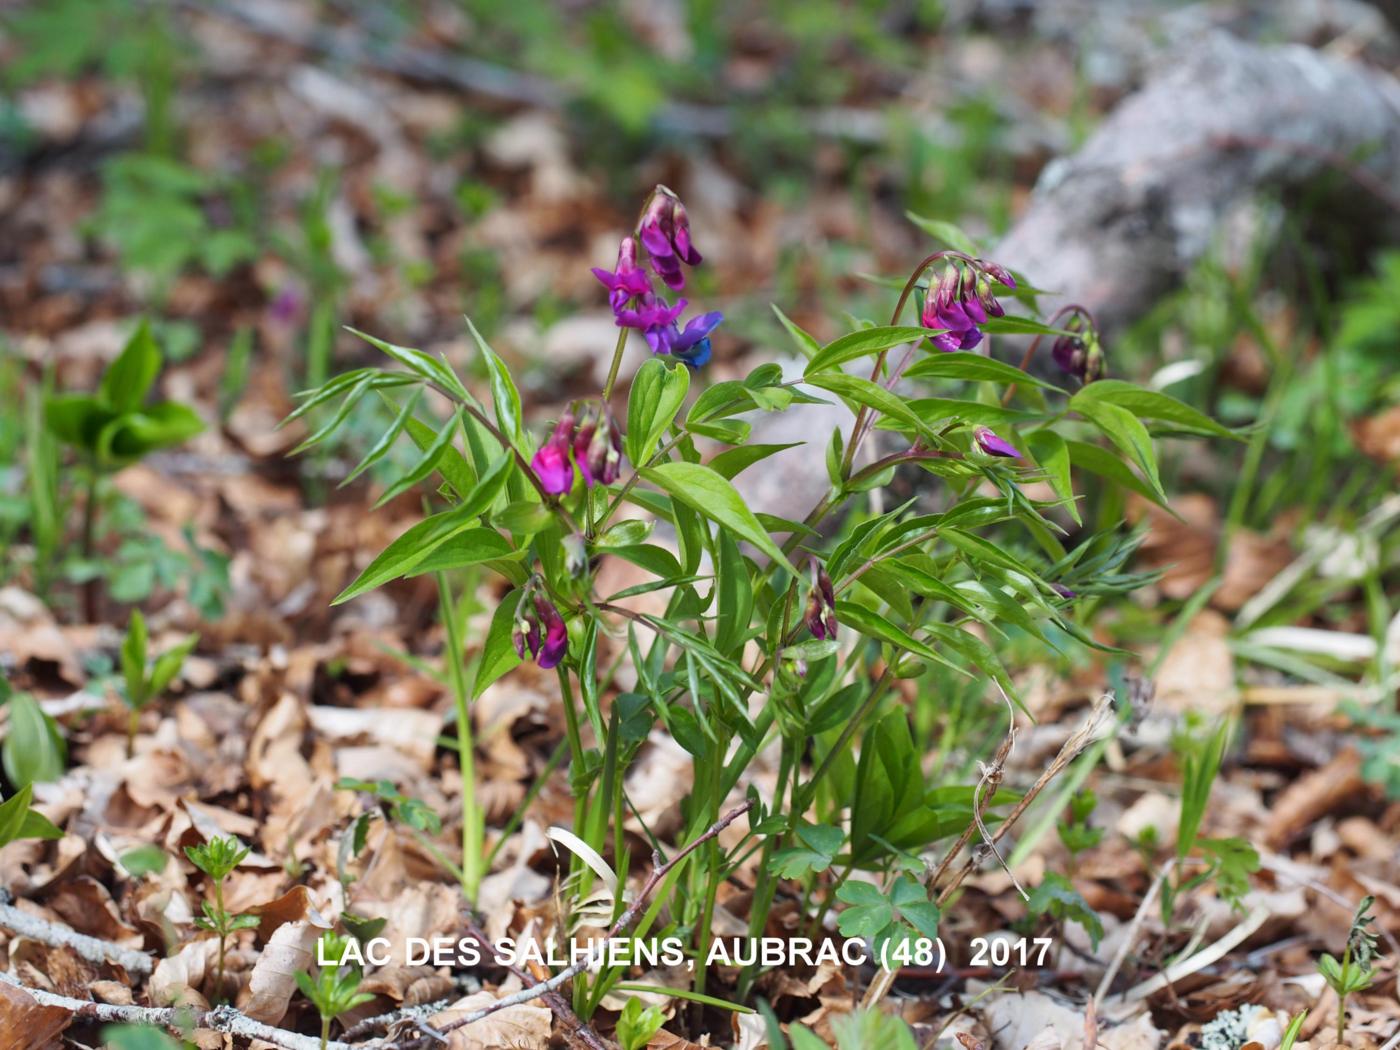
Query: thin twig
x=224 y=1019
x=1200 y=960
x=1130 y=937
x=624 y=922
x=56 y=935
x=1078 y=740
x=382 y=1023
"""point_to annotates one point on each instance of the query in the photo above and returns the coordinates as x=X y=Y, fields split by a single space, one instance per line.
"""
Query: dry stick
x=383 y=1022
x=56 y=935
x=624 y=922
x=1200 y=960
x=1076 y=743
x=1131 y=936
x=224 y=1019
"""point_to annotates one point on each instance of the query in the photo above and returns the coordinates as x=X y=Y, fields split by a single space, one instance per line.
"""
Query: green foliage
x=637 y=1024
x=334 y=989
x=114 y=427
x=18 y=821
x=34 y=750
x=217 y=858
x=1075 y=833
x=144 y=679
x=1056 y=897
x=153 y=214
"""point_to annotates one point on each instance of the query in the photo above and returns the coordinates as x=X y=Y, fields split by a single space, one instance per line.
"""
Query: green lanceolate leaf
x=133 y=659
x=871 y=395
x=735 y=596
x=657 y=393
x=861 y=344
x=805 y=342
x=962 y=365
x=34 y=749
x=1126 y=431
x=427 y=462
x=1151 y=404
x=413 y=547
x=1052 y=455
x=128 y=379
x=387 y=439
x=504 y=395
x=704 y=491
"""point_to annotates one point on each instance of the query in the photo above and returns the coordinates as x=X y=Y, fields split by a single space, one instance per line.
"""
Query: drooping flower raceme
x=664 y=231
x=539 y=629
x=962 y=301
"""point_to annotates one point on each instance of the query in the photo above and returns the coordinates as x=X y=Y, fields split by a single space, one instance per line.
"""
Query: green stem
x=90 y=609
x=616 y=363
x=223 y=936
x=325 y=1032
x=1342 y=995
x=473 y=820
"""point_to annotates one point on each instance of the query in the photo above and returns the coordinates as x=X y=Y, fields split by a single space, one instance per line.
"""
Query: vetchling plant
x=217 y=858
x=114 y=428
x=34 y=750
x=798 y=636
x=142 y=679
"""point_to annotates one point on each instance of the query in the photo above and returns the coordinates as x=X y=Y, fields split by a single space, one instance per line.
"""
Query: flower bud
x=539 y=629
x=992 y=445
x=821 y=605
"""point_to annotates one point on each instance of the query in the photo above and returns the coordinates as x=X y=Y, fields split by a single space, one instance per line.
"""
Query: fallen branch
x=382 y=1023
x=224 y=1019
x=624 y=922
x=56 y=935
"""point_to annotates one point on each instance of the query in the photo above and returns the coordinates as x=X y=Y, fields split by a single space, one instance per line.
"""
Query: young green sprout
x=1075 y=833
x=335 y=988
x=638 y=1024
x=143 y=682
x=217 y=858
x=1355 y=972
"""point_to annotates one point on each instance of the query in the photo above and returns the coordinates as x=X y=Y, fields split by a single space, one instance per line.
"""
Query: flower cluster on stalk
x=664 y=231
x=962 y=301
x=591 y=441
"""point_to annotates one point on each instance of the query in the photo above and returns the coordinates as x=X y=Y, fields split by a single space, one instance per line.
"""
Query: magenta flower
x=651 y=314
x=665 y=233
x=551 y=463
x=1079 y=354
x=962 y=301
x=821 y=605
x=992 y=445
x=629 y=280
x=539 y=629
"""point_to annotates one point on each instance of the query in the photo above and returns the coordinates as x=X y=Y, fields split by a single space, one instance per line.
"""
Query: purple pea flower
x=821 y=605
x=652 y=315
x=551 y=463
x=992 y=445
x=665 y=233
x=628 y=281
x=1063 y=591
x=539 y=629
x=692 y=343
